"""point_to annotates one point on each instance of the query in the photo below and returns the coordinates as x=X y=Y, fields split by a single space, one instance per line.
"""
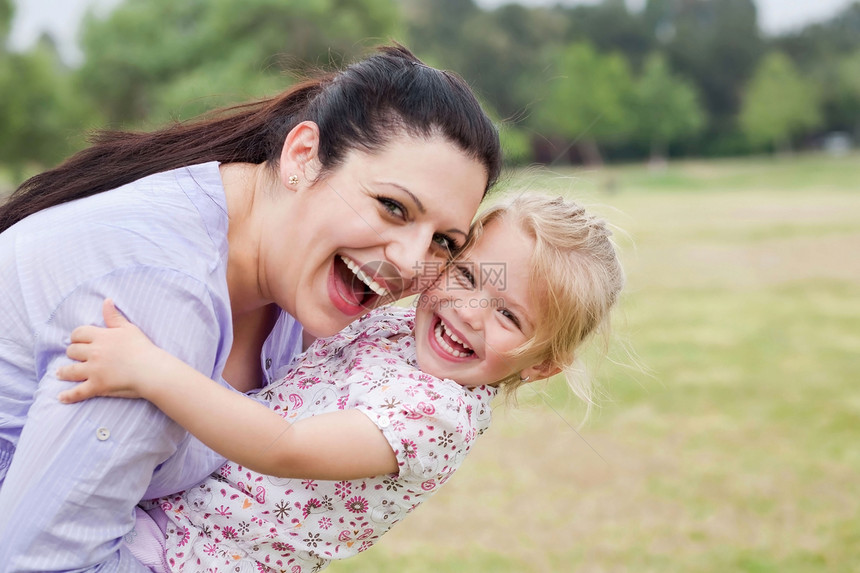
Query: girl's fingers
x=79 y=352
x=80 y=349
x=113 y=317
x=77 y=394
x=83 y=334
x=72 y=372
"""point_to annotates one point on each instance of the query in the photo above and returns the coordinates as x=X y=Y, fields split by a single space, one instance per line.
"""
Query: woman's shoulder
x=184 y=201
x=171 y=219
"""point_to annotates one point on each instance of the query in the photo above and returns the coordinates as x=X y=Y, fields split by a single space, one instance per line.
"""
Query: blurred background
x=573 y=83
x=718 y=136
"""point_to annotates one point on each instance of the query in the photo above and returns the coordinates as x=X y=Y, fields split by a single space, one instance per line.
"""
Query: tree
x=438 y=27
x=715 y=43
x=41 y=115
x=817 y=43
x=845 y=102
x=153 y=60
x=7 y=10
x=778 y=103
x=667 y=107
x=588 y=103
x=608 y=26
x=493 y=61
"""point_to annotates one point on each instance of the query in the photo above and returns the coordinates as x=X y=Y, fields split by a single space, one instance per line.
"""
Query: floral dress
x=240 y=520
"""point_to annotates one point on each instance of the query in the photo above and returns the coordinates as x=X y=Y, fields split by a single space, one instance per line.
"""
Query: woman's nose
x=412 y=256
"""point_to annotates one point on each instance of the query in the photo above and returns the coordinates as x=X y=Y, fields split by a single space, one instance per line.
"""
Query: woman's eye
x=393 y=207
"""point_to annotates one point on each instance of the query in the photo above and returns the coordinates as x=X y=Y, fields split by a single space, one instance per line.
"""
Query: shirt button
x=102 y=434
x=268 y=363
x=383 y=421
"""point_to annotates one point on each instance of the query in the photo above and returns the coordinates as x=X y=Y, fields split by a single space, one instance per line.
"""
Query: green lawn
x=734 y=445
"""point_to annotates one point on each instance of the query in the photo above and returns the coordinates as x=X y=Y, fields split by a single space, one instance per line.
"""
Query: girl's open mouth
x=447 y=343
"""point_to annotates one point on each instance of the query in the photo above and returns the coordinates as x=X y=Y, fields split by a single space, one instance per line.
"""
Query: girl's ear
x=300 y=155
x=539 y=372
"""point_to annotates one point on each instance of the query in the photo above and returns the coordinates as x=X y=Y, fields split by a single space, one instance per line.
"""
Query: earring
x=294 y=180
x=526 y=379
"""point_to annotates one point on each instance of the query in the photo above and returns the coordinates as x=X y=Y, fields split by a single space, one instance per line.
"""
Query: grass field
x=736 y=445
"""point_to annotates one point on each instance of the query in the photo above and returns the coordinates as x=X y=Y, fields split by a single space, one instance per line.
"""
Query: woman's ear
x=539 y=372
x=299 y=161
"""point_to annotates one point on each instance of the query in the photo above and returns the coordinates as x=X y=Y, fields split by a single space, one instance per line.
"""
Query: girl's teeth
x=444 y=343
x=453 y=336
x=362 y=276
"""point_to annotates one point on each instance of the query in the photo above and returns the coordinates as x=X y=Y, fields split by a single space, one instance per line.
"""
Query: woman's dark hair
x=361 y=107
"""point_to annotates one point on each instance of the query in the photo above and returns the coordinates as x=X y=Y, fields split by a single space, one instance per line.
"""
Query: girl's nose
x=470 y=308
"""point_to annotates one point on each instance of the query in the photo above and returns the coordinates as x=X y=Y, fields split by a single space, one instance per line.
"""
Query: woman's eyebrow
x=417 y=201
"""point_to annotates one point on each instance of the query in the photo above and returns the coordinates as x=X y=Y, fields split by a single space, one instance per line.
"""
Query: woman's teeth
x=440 y=331
x=362 y=276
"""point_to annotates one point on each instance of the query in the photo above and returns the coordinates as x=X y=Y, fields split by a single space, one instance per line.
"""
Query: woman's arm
x=101 y=455
x=120 y=361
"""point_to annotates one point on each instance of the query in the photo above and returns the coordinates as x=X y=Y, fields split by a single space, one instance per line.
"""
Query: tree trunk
x=657 y=160
x=590 y=153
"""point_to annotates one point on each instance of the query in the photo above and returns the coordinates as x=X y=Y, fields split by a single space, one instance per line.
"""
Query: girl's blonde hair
x=575 y=279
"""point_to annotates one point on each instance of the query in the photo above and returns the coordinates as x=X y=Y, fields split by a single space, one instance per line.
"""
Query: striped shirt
x=70 y=475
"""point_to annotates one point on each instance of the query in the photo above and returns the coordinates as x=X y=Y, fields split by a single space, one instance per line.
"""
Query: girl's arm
x=120 y=361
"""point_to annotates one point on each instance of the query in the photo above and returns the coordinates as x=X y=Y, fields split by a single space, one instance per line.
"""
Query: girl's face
x=362 y=234
x=478 y=311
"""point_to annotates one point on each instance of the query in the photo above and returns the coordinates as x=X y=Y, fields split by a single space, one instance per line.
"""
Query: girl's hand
x=115 y=361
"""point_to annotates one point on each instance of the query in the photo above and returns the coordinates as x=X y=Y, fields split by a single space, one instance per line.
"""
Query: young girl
x=369 y=423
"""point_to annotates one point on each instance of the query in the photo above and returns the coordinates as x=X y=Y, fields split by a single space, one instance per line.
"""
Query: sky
x=61 y=17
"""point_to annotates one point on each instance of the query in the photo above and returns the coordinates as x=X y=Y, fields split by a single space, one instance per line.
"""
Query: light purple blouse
x=70 y=475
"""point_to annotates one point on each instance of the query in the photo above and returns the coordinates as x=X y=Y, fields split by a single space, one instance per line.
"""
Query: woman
x=337 y=193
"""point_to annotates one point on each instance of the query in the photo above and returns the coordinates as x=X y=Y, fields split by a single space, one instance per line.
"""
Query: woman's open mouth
x=352 y=290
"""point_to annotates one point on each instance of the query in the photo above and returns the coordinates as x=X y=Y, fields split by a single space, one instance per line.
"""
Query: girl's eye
x=464 y=276
x=393 y=207
x=446 y=244
x=510 y=316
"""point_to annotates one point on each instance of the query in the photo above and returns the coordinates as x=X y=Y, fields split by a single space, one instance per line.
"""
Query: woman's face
x=370 y=231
